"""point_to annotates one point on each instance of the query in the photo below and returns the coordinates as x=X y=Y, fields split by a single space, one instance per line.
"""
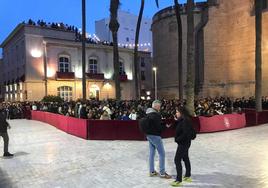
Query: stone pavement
x=48 y=158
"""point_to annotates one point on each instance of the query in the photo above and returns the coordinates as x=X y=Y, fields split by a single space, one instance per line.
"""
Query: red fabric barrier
x=62 y=123
x=251 y=118
x=101 y=130
x=222 y=122
x=38 y=116
x=262 y=117
x=77 y=127
x=128 y=130
x=51 y=119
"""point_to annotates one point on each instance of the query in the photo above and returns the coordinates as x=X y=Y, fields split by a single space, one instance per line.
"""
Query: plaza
x=48 y=157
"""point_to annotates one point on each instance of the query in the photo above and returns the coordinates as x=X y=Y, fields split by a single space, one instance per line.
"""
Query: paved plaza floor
x=46 y=157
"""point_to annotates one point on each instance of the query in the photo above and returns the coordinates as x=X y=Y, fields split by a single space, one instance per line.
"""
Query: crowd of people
x=66 y=27
x=129 y=110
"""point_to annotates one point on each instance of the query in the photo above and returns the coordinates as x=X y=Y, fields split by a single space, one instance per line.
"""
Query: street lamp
x=155 y=82
x=74 y=70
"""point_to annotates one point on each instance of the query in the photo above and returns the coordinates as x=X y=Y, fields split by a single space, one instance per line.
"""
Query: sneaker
x=187 y=179
x=165 y=175
x=7 y=154
x=176 y=184
x=153 y=174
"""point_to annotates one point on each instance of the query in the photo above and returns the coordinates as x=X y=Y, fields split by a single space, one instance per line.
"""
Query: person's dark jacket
x=157 y=126
x=83 y=113
x=183 y=131
x=3 y=123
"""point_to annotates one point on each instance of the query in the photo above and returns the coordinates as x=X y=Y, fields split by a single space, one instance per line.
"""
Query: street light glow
x=154 y=68
x=36 y=53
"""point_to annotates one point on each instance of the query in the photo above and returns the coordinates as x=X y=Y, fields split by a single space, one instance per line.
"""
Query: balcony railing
x=123 y=77
x=65 y=75
x=95 y=76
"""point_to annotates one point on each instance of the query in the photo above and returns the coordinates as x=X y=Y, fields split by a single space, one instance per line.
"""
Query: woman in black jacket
x=183 y=136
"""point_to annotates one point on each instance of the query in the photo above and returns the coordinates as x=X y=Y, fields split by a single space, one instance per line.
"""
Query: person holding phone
x=183 y=137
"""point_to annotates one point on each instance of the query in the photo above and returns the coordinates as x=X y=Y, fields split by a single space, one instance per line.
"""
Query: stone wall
x=230 y=50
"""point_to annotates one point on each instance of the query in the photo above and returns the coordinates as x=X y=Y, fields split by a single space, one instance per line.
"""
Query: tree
x=258 y=55
x=179 y=26
x=84 y=49
x=137 y=35
x=190 y=58
x=114 y=26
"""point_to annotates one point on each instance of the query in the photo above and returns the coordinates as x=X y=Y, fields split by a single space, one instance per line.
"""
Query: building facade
x=39 y=61
x=127 y=30
x=224 y=49
x=146 y=76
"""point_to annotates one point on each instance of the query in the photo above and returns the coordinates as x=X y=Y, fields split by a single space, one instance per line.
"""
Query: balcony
x=65 y=75
x=123 y=77
x=95 y=76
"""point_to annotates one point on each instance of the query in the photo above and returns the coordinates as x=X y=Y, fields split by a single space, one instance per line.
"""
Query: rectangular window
x=142 y=62
x=143 y=75
x=93 y=66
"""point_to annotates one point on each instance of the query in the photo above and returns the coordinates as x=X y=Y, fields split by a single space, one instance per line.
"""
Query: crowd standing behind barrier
x=129 y=110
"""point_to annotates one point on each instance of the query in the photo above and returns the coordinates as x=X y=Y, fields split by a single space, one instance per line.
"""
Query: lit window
x=65 y=92
x=21 y=96
x=64 y=64
x=20 y=86
x=10 y=87
x=6 y=88
x=15 y=87
x=93 y=65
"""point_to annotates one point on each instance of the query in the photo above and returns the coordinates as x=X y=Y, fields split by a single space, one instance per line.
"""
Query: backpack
x=144 y=124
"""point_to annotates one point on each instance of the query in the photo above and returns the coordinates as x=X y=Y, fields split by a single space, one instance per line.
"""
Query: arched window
x=121 y=68
x=64 y=63
x=93 y=65
x=65 y=92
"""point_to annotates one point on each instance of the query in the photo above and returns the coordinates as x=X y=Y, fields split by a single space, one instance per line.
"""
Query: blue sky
x=13 y=12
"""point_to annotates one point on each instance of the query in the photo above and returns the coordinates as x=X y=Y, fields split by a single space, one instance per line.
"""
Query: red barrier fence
x=114 y=130
x=222 y=122
x=129 y=130
x=70 y=125
x=256 y=118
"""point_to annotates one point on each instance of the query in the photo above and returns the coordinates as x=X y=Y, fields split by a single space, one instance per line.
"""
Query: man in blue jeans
x=153 y=134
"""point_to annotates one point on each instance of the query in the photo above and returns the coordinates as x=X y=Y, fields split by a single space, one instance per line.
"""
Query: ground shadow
x=5 y=181
x=20 y=153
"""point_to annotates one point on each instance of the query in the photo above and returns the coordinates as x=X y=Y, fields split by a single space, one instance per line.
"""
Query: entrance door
x=94 y=92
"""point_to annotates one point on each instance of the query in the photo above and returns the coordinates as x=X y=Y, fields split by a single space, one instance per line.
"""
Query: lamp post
x=45 y=65
x=155 y=82
x=74 y=81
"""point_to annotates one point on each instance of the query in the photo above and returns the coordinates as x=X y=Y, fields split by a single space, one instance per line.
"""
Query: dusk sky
x=12 y=12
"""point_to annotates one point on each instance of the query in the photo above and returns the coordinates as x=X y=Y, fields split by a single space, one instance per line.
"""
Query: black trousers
x=182 y=153
x=6 y=140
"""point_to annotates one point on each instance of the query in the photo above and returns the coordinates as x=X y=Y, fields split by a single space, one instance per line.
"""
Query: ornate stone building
x=42 y=60
x=225 y=49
